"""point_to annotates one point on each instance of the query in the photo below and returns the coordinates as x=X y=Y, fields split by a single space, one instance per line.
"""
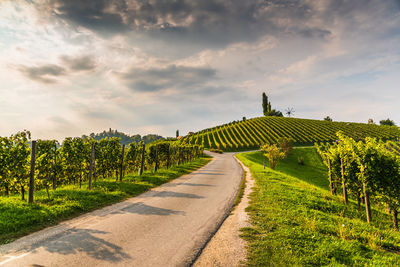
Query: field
x=248 y=134
x=296 y=222
x=18 y=218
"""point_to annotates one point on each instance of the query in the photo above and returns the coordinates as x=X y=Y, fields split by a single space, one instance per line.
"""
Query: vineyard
x=252 y=133
x=45 y=164
x=368 y=171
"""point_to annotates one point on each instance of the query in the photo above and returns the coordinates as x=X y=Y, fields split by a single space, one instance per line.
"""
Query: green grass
x=239 y=196
x=297 y=223
x=18 y=218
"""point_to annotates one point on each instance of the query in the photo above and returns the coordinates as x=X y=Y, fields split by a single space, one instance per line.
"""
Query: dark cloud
x=79 y=63
x=48 y=73
x=45 y=73
x=103 y=16
x=172 y=76
x=192 y=24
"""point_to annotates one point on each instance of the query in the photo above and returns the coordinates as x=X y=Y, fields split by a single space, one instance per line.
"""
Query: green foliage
x=19 y=218
x=368 y=169
x=267 y=110
x=219 y=151
x=124 y=138
x=70 y=163
x=265 y=103
x=387 y=122
x=285 y=144
x=273 y=112
x=273 y=154
x=46 y=163
x=296 y=222
x=252 y=133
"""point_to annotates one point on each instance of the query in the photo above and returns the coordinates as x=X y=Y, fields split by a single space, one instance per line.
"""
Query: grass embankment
x=18 y=218
x=296 y=222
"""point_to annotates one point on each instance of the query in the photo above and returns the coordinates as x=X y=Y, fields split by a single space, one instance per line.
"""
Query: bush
x=216 y=150
x=285 y=144
x=300 y=160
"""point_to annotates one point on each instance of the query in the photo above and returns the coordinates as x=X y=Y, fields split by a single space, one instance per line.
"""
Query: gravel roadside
x=226 y=248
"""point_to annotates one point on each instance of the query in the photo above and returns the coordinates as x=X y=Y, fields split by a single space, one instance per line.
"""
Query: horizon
x=152 y=67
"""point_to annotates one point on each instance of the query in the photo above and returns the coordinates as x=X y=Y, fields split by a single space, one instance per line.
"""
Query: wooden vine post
x=32 y=174
x=168 y=157
x=330 y=176
x=156 y=160
x=142 y=161
x=122 y=164
x=91 y=167
x=55 y=167
x=366 y=196
x=346 y=199
x=264 y=160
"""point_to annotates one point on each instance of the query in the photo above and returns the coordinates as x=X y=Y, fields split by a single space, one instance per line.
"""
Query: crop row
x=45 y=163
x=254 y=132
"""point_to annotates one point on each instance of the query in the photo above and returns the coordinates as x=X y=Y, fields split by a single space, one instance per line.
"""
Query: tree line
x=125 y=139
x=79 y=160
x=367 y=170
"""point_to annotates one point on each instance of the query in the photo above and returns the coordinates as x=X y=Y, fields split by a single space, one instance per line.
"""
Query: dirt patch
x=226 y=248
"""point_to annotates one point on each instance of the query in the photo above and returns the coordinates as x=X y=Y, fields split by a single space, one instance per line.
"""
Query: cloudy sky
x=74 y=67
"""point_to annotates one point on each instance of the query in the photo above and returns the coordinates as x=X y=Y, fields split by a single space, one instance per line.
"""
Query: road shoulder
x=226 y=248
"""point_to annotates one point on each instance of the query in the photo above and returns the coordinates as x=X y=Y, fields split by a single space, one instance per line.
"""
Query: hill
x=251 y=133
x=125 y=139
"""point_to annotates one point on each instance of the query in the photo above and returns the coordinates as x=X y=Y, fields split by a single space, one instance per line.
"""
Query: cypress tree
x=265 y=103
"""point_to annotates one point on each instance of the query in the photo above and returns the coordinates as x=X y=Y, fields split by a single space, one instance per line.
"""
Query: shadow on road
x=75 y=241
x=141 y=208
x=187 y=184
x=208 y=173
x=174 y=194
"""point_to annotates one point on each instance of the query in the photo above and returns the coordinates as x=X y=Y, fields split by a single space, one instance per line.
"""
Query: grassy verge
x=18 y=218
x=297 y=223
x=241 y=190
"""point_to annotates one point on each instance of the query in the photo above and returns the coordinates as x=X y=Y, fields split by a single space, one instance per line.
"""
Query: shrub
x=285 y=144
x=216 y=150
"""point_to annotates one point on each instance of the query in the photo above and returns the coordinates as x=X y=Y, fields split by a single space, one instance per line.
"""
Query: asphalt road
x=167 y=226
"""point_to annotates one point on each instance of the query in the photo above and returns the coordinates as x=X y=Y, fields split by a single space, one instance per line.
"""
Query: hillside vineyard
x=254 y=132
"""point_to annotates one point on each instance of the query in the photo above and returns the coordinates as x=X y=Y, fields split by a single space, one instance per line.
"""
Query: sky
x=75 y=67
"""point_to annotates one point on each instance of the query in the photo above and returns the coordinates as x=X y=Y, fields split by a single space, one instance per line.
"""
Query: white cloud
x=320 y=57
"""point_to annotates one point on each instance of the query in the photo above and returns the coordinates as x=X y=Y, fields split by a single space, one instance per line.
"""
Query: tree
x=327 y=118
x=275 y=113
x=265 y=103
x=273 y=153
x=285 y=144
x=387 y=122
x=371 y=121
x=177 y=133
x=267 y=109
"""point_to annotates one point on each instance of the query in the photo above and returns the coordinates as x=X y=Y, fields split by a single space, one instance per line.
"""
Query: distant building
x=179 y=137
x=190 y=133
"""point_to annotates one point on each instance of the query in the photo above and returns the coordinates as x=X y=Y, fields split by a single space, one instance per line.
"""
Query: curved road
x=167 y=226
